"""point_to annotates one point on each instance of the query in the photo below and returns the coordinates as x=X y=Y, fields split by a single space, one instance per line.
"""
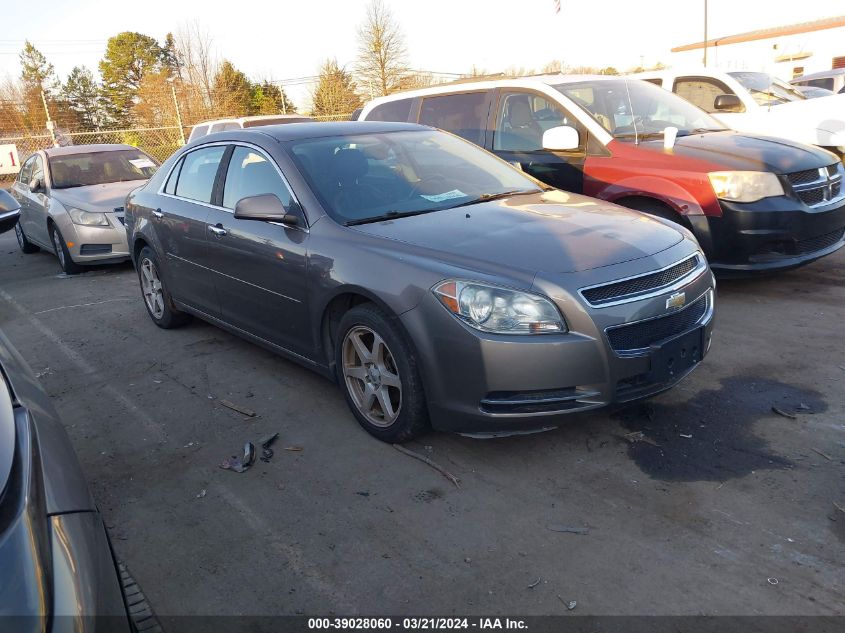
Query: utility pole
x=705 y=33
x=178 y=114
x=51 y=127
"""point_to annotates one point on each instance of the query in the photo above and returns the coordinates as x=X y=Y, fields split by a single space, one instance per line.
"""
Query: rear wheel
x=379 y=376
x=26 y=246
x=157 y=299
x=69 y=267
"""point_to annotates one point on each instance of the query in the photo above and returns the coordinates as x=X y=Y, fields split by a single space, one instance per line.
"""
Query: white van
x=833 y=80
x=222 y=125
x=759 y=103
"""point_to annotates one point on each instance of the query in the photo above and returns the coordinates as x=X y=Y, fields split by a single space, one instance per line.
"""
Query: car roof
x=835 y=72
x=310 y=130
x=257 y=117
x=487 y=84
x=69 y=150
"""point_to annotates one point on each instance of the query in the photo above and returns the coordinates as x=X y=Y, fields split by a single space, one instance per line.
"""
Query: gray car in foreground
x=72 y=198
x=436 y=283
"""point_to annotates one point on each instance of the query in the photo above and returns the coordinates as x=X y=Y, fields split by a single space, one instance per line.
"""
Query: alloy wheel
x=371 y=376
x=60 y=251
x=152 y=288
x=19 y=234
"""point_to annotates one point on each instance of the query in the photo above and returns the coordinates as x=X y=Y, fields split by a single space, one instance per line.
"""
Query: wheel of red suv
x=379 y=375
x=26 y=246
x=157 y=299
x=69 y=267
x=656 y=208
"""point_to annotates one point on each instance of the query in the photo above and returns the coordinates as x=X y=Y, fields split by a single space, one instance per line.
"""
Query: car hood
x=106 y=197
x=731 y=150
x=552 y=231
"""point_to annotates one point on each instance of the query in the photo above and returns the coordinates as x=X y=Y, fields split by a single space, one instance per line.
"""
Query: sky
x=282 y=39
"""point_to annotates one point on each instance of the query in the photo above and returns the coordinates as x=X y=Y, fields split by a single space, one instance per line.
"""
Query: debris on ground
x=785 y=414
x=295 y=449
x=362 y=493
x=689 y=437
x=637 y=436
x=772 y=581
x=267 y=452
x=46 y=371
x=534 y=584
x=825 y=455
x=838 y=507
x=240 y=465
x=234 y=407
x=570 y=604
x=804 y=407
x=426 y=460
x=202 y=493
x=569 y=529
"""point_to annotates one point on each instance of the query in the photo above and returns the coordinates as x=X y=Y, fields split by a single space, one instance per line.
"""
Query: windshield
x=629 y=108
x=767 y=90
x=97 y=168
x=367 y=176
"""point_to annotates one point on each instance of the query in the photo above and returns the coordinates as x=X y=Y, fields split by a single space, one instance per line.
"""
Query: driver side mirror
x=728 y=103
x=35 y=185
x=10 y=211
x=561 y=139
x=266 y=207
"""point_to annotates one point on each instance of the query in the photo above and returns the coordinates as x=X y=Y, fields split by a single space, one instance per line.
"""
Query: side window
x=199 y=168
x=826 y=82
x=656 y=81
x=170 y=187
x=523 y=117
x=398 y=110
x=700 y=91
x=463 y=114
x=252 y=174
x=38 y=169
x=200 y=130
x=26 y=171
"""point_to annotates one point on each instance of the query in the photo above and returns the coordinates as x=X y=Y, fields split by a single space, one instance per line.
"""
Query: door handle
x=217 y=229
x=158 y=214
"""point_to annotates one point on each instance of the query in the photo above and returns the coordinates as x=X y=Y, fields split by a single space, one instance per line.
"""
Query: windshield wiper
x=390 y=215
x=642 y=136
x=485 y=197
x=700 y=130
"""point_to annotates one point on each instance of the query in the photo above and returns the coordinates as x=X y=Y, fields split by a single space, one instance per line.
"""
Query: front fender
x=670 y=193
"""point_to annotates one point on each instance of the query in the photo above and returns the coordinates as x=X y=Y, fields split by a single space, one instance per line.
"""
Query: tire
x=141 y=616
x=657 y=209
x=390 y=366
x=26 y=246
x=157 y=299
x=68 y=266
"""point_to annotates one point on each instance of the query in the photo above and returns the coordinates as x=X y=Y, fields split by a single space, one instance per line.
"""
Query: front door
x=521 y=118
x=260 y=266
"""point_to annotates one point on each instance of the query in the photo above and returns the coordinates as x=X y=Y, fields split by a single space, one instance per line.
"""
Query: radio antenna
x=633 y=117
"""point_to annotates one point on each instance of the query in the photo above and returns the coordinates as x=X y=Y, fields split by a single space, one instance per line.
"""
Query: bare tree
x=197 y=65
x=382 y=57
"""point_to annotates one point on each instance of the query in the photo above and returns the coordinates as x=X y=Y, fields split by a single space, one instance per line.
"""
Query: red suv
x=754 y=203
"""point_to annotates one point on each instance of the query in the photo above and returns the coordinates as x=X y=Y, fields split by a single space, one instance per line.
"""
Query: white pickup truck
x=759 y=103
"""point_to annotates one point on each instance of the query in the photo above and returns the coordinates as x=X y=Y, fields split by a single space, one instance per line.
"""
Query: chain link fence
x=158 y=142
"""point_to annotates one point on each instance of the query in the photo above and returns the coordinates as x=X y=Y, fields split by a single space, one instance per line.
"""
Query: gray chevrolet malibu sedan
x=72 y=198
x=436 y=283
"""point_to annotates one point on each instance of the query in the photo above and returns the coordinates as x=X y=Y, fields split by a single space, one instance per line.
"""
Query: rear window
x=398 y=110
x=464 y=114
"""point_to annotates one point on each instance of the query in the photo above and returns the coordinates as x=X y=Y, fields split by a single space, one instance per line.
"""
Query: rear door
x=522 y=116
x=259 y=266
x=181 y=224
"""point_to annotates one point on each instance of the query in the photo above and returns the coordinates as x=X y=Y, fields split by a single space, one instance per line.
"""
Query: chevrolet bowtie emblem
x=677 y=300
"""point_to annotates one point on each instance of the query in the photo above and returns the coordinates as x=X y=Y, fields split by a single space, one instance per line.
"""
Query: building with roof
x=785 y=51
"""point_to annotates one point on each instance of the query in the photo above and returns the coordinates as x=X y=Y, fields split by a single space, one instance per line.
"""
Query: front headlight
x=88 y=218
x=745 y=186
x=500 y=310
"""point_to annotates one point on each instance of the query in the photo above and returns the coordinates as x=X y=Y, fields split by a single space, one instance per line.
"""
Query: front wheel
x=69 y=267
x=26 y=246
x=379 y=376
x=157 y=299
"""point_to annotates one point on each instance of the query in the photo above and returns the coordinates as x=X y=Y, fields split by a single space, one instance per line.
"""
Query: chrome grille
x=635 y=286
x=815 y=187
x=640 y=335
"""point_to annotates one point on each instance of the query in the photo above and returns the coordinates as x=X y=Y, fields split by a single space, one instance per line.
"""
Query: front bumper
x=92 y=244
x=480 y=383
x=772 y=234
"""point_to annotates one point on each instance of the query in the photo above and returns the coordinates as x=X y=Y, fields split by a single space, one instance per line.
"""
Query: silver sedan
x=72 y=201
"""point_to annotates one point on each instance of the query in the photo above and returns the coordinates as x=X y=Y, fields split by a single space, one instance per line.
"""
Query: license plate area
x=672 y=358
